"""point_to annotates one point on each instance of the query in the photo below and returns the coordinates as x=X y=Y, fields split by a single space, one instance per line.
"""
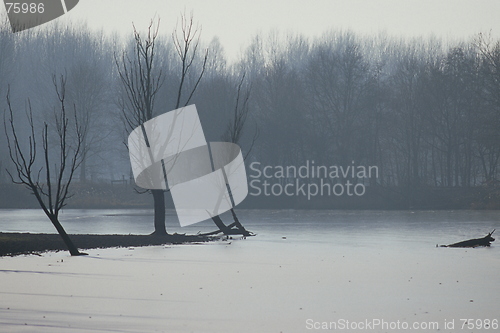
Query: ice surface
x=321 y=271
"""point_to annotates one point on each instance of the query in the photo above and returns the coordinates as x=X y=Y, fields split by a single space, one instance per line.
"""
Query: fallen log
x=485 y=241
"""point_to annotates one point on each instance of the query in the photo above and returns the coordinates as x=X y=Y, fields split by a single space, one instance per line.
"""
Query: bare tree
x=235 y=127
x=49 y=183
x=89 y=75
x=142 y=79
x=338 y=81
x=234 y=132
x=187 y=42
x=489 y=138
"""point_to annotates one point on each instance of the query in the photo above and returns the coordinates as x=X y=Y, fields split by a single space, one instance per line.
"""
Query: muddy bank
x=27 y=243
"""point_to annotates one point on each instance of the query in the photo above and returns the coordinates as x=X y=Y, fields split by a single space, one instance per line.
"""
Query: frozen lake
x=358 y=228
x=303 y=269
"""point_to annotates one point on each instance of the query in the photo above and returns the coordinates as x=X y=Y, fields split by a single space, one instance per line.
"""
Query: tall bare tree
x=142 y=77
x=50 y=179
x=234 y=132
x=489 y=139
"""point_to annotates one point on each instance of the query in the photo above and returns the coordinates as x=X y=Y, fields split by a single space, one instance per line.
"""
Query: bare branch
x=186 y=43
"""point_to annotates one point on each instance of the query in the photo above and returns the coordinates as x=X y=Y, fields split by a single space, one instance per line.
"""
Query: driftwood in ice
x=485 y=241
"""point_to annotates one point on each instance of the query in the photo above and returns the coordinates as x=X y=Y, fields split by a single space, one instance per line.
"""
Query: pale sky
x=236 y=21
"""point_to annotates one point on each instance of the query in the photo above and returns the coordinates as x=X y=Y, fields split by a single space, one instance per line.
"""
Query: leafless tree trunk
x=234 y=132
x=49 y=183
x=142 y=80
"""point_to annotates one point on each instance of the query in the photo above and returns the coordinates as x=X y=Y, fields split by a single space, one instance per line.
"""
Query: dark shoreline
x=13 y=244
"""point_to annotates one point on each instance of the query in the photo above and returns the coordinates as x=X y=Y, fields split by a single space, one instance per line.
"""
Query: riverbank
x=12 y=244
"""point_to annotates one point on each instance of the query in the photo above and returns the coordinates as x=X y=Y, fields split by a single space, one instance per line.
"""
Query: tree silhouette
x=50 y=182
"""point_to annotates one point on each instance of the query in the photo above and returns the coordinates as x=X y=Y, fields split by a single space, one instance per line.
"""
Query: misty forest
x=425 y=111
x=411 y=126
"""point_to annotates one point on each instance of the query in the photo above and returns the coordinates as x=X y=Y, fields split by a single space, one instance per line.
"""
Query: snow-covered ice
x=354 y=266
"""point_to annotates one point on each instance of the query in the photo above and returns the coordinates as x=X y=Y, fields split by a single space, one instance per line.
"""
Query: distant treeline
x=123 y=196
x=424 y=111
x=85 y=196
x=426 y=114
